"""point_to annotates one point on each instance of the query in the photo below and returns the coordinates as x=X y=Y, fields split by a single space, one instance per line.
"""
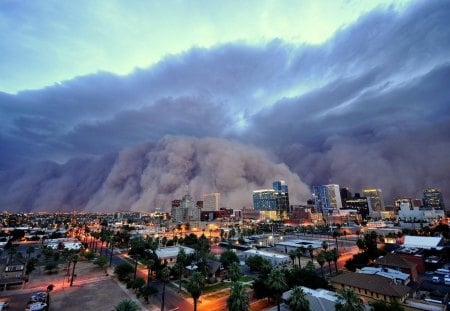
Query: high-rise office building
x=282 y=196
x=432 y=198
x=327 y=198
x=375 y=200
x=184 y=210
x=264 y=200
x=211 y=201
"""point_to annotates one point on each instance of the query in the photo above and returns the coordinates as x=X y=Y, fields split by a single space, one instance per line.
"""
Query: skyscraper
x=211 y=201
x=282 y=197
x=432 y=198
x=327 y=198
x=264 y=200
x=375 y=200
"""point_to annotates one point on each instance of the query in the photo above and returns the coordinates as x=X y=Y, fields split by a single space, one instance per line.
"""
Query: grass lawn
x=245 y=278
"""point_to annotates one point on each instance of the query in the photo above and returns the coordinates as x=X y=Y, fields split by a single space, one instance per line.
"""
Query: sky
x=120 y=105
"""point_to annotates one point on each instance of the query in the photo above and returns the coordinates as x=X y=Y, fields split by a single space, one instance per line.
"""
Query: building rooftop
x=172 y=251
x=374 y=283
x=266 y=254
x=393 y=260
x=425 y=242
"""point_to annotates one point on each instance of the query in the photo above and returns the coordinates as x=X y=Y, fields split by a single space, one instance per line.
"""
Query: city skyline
x=107 y=107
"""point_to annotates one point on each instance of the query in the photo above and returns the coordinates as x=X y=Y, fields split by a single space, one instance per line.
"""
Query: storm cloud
x=370 y=107
x=149 y=176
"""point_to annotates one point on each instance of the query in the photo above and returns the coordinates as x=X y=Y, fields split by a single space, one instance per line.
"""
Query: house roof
x=393 y=260
x=373 y=283
x=213 y=266
x=426 y=242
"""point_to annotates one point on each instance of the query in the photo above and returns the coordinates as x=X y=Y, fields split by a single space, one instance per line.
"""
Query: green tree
x=298 y=300
x=238 y=299
x=126 y=305
x=102 y=262
x=195 y=287
x=276 y=282
x=146 y=292
x=50 y=267
x=382 y=305
x=321 y=261
x=349 y=301
x=234 y=272
x=123 y=271
x=228 y=257
x=164 y=277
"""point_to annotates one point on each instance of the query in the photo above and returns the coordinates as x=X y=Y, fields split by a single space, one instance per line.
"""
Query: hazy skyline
x=351 y=92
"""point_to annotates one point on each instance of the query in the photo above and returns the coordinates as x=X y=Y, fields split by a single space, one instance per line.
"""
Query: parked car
x=39 y=297
x=436 y=279
x=36 y=306
x=4 y=305
x=442 y=271
x=447 y=280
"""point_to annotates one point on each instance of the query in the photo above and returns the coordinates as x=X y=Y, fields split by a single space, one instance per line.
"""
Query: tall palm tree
x=149 y=262
x=311 y=252
x=234 y=272
x=329 y=259
x=298 y=300
x=336 y=235
x=325 y=245
x=238 y=299
x=276 y=282
x=298 y=253
x=195 y=286
x=335 y=255
x=349 y=301
x=321 y=261
x=292 y=254
x=74 y=260
x=126 y=305
x=181 y=262
x=164 y=276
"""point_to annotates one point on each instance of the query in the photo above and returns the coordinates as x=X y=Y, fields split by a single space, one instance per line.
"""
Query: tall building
x=359 y=204
x=327 y=198
x=282 y=197
x=375 y=200
x=264 y=200
x=345 y=195
x=432 y=198
x=184 y=210
x=211 y=201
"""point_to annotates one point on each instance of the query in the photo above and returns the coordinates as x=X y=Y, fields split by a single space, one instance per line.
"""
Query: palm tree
x=311 y=252
x=299 y=253
x=149 y=262
x=238 y=299
x=335 y=255
x=336 y=235
x=195 y=286
x=164 y=276
x=325 y=245
x=292 y=254
x=321 y=261
x=74 y=260
x=276 y=282
x=181 y=262
x=126 y=305
x=349 y=301
x=298 y=300
x=329 y=259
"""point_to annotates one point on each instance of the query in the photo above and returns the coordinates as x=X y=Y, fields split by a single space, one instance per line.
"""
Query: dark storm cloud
x=367 y=108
